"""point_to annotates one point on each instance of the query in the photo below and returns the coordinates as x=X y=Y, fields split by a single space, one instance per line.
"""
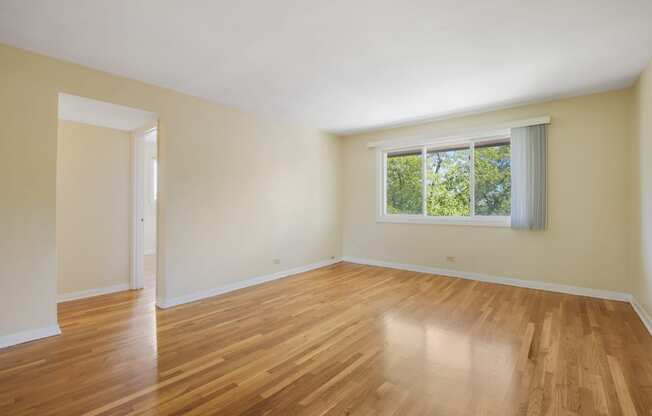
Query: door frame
x=137 y=279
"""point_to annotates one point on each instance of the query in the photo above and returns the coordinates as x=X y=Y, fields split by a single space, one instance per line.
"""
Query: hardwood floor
x=342 y=340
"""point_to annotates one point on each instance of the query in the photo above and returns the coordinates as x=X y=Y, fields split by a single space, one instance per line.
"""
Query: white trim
x=472 y=176
x=424 y=182
x=153 y=178
x=642 y=313
x=192 y=297
x=82 y=294
x=453 y=136
x=531 y=284
x=136 y=278
x=479 y=220
x=143 y=130
x=31 y=335
x=646 y=319
x=381 y=194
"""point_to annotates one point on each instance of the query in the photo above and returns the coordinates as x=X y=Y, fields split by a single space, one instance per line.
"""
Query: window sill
x=421 y=219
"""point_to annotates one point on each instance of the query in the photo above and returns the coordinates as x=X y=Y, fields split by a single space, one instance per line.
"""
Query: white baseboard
x=65 y=297
x=31 y=335
x=192 y=297
x=642 y=313
x=531 y=284
x=26 y=336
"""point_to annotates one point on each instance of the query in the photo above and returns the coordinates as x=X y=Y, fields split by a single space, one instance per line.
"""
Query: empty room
x=325 y=208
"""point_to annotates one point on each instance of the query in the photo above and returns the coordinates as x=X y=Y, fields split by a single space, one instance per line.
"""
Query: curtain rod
x=475 y=132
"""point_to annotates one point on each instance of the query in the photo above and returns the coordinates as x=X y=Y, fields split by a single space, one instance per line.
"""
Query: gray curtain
x=529 y=154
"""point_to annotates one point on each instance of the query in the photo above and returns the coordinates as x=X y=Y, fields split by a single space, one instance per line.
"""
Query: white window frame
x=424 y=218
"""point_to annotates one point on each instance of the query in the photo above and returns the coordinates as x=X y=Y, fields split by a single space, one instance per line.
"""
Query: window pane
x=493 y=174
x=404 y=186
x=448 y=175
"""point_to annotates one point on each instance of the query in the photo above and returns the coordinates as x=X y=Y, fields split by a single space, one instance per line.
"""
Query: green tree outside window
x=448 y=181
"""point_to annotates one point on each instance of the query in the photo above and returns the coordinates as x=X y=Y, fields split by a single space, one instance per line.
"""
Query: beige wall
x=586 y=243
x=642 y=165
x=28 y=153
x=93 y=207
x=236 y=190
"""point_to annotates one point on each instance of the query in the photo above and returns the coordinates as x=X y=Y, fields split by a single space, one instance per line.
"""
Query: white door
x=138 y=222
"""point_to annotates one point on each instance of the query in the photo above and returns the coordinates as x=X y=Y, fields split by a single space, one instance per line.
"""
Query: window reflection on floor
x=445 y=361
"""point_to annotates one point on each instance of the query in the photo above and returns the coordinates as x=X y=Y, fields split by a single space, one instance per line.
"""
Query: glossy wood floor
x=342 y=340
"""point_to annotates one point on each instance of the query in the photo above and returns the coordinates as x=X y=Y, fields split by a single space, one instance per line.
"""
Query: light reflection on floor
x=446 y=363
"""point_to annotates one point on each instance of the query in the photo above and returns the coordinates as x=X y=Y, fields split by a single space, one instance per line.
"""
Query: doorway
x=107 y=187
x=145 y=197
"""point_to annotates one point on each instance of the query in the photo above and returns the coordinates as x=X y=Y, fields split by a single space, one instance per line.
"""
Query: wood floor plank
x=344 y=339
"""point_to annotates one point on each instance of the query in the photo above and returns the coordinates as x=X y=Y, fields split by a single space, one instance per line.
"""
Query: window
x=461 y=183
x=493 y=178
x=404 y=189
x=448 y=182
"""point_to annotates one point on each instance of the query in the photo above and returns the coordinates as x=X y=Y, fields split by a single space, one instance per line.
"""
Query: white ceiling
x=344 y=65
x=99 y=113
